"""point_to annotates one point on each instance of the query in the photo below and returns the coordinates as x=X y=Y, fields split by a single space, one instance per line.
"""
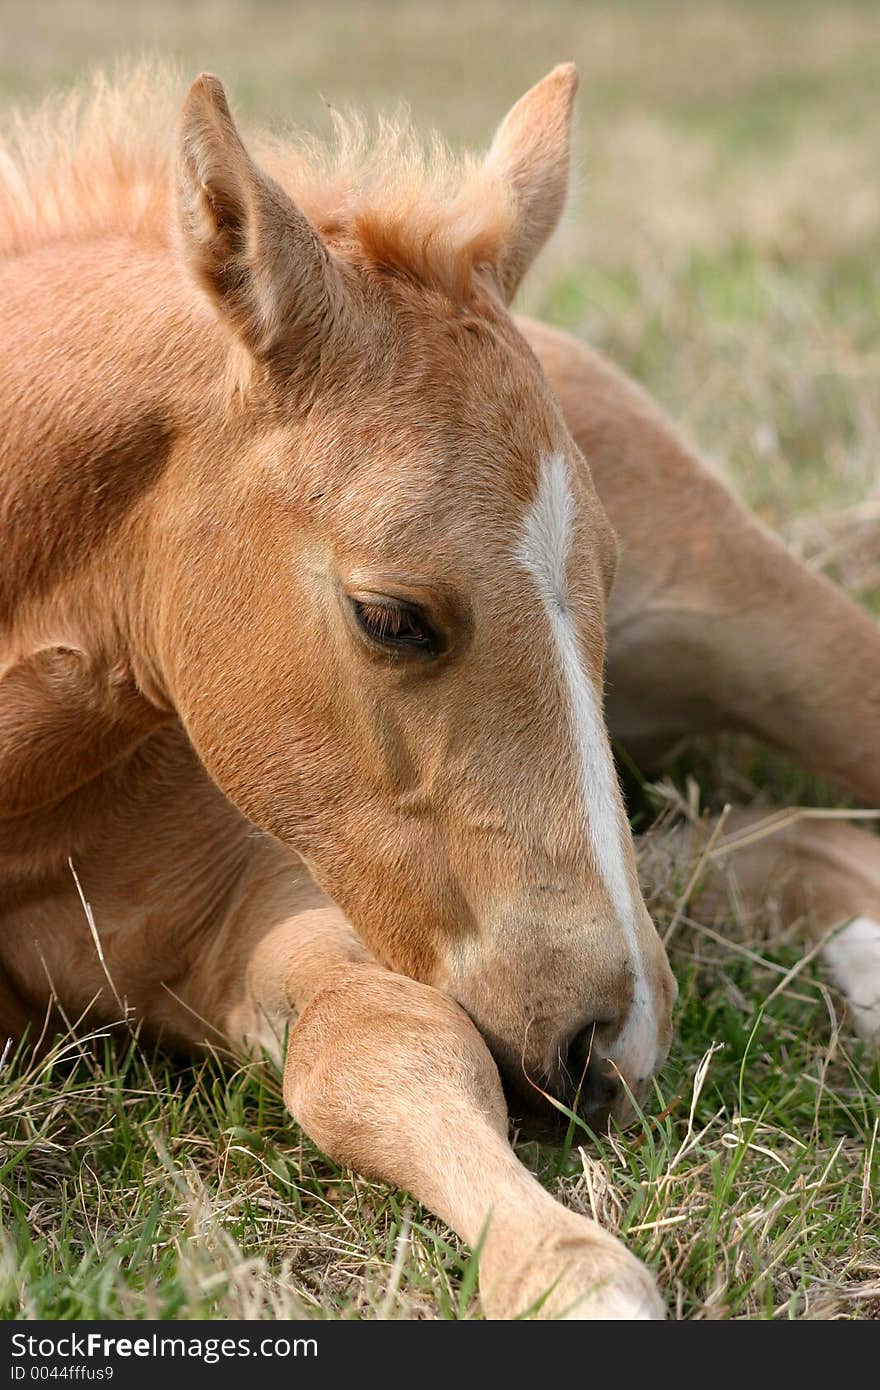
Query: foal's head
x=387 y=597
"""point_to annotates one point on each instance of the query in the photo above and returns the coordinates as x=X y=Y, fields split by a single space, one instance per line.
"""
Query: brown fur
x=241 y=392
x=99 y=162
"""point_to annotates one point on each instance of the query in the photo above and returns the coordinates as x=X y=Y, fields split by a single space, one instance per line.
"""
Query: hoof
x=581 y=1273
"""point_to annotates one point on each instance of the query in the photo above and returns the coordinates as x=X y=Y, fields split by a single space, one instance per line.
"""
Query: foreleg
x=390 y=1077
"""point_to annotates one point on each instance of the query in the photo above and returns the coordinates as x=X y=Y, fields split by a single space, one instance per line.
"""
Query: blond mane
x=97 y=162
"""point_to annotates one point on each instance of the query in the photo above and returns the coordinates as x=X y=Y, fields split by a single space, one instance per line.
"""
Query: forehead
x=450 y=438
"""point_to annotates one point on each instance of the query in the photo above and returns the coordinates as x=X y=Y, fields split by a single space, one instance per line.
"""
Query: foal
x=303 y=608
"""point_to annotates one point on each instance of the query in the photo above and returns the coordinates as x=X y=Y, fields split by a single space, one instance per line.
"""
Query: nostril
x=579 y=1048
x=590 y=1077
x=589 y=1043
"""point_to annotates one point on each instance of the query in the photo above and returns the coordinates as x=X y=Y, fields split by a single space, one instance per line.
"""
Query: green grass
x=134 y=1188
x=724 y=247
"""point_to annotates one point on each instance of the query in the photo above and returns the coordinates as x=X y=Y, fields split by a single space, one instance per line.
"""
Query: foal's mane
x=98 y=162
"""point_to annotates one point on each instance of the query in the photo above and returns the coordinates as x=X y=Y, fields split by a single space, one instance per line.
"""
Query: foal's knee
x=378 y=1063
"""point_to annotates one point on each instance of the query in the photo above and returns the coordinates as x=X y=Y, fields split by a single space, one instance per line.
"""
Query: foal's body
x=208 y=929
x=168 y=880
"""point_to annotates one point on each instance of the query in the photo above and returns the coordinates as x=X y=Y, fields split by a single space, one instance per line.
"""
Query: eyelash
x=395 y=626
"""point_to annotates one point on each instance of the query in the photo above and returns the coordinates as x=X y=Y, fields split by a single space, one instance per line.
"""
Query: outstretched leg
x=821 y=872
x=391 y=1078
x=712 y=622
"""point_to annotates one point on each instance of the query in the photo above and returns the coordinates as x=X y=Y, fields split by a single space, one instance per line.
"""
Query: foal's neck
x=100 y=372
x=99 y=368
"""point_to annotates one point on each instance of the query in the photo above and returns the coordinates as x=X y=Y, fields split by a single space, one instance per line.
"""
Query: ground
x=724 y=247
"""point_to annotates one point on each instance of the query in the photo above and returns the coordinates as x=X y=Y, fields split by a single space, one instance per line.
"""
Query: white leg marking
x=543 y=551
x=853 y=957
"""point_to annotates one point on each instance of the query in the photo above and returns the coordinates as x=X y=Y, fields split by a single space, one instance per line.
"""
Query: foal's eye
x=396 y=626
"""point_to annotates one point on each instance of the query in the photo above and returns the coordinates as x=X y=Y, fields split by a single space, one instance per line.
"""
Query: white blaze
x=544 y=550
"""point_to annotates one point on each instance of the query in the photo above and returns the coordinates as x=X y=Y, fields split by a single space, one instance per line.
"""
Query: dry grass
x=134 y=1188
x=724 y=247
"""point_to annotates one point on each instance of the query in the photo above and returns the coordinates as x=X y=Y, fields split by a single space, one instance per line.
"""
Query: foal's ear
x=245 y=242
x=532 y=153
